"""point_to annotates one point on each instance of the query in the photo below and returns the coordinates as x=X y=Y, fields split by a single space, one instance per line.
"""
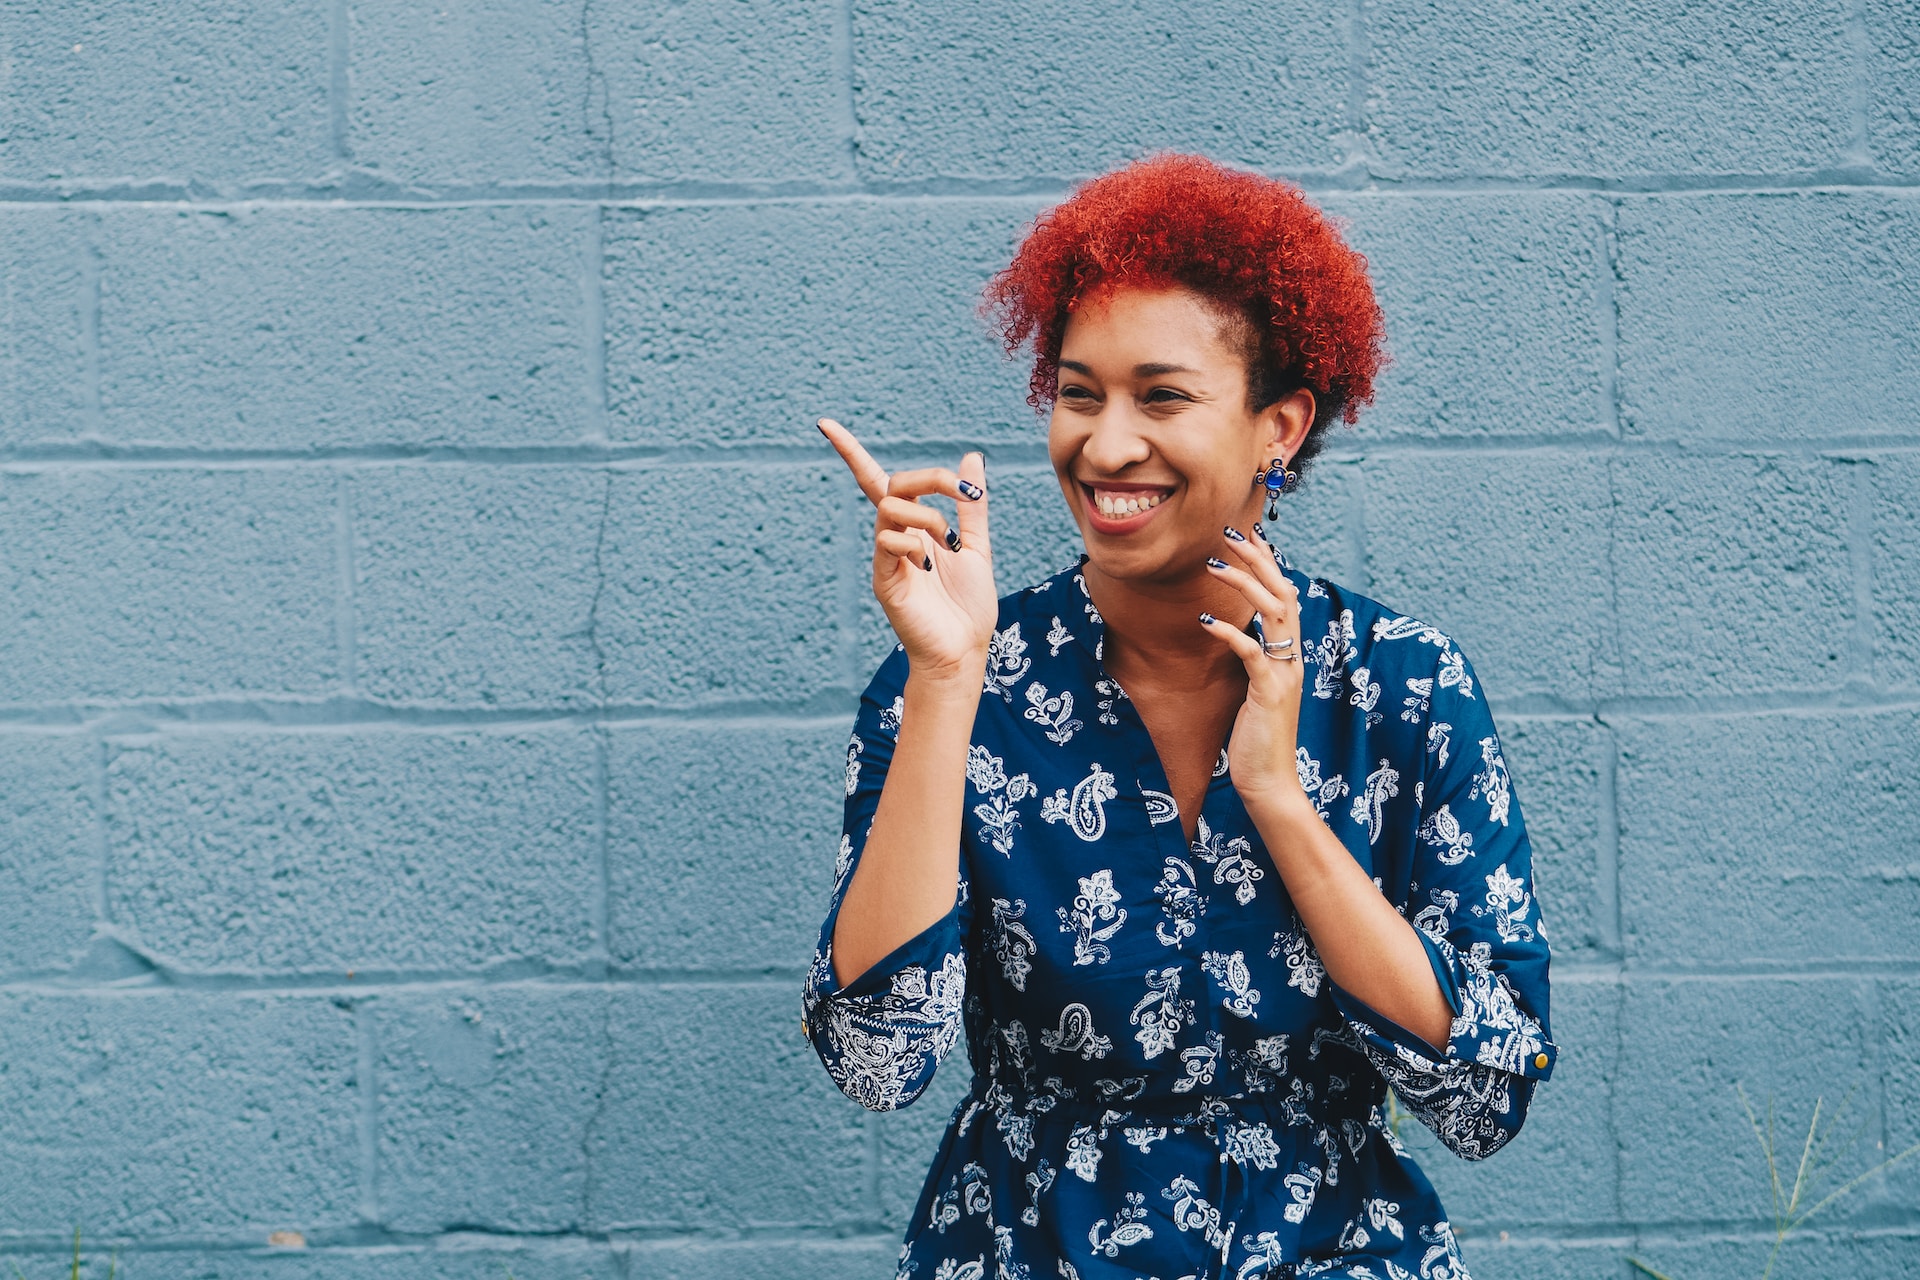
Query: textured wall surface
x=429 y=623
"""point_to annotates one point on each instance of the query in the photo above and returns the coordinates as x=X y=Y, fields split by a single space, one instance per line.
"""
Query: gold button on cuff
x=1540 y=1061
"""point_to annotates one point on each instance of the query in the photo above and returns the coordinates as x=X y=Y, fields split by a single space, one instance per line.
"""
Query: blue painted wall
x=429 y=622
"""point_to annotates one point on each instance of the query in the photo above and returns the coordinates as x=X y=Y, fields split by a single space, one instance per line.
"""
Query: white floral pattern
x=1209 y=1049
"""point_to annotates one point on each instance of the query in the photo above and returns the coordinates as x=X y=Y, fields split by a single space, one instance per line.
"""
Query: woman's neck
x=1153 y=627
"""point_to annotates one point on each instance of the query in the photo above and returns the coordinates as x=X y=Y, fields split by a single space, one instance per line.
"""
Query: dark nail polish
x=953 y=538
x=1260 y=532
x=1215 y=564
x=971 y=492
x=1235 y=535
x=926 y=562
x=1207 y=619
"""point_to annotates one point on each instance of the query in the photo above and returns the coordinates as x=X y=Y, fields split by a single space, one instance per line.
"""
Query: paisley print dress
x=1165 y=1082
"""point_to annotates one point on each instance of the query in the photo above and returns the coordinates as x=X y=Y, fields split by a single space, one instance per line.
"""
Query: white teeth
x=1120 y=506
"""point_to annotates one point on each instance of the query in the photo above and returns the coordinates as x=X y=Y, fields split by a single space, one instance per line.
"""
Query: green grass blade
x=1854 y=1182
x=1644 y=1268
x=1765 y=1138
x=1806 y=1153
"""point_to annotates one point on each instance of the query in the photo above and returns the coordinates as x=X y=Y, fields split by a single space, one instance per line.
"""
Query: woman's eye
x=1164 y=395
x=1075 y=393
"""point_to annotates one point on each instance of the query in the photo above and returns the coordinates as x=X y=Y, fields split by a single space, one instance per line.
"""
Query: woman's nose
x=1114 y=440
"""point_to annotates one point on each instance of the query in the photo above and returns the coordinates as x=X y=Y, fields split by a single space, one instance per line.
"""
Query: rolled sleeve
x=882 y=1036
x=1472 y=904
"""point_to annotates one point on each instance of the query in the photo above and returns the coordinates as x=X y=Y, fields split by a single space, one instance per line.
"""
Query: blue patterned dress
x=1165 y=1081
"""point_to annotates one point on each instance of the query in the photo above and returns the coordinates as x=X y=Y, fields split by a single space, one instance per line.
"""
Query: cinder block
x=1782 y=839
x=1893 y=39
x=1559 y=1170
x=1497 y=1254
x=176 y=92
x=735 y=323
x=301 y=327
x=377 y=850
x=487 y=1096
x=476 y=586
x=716 y=1114
x=720 y=90
x=1557 y=766
x=910 y=1138
x=457 y=1259
x=1731 y=574
x=166 y=584
x=176 y=1113
x=1686 y=1149
x=1478 y=544
x=1895 y=557
x=985 y=88
x=44 y=309
x=486 y=92
x=538 y=91
x=799 y=1258
x=1818 y=1250
x=721 y=841
x=1769 y=317
x=1493 y=312
x=1644 y=87
x=49 y=850
x=722 y=583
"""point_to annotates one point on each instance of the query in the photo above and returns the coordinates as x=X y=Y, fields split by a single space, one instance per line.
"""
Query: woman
x=1203 y=852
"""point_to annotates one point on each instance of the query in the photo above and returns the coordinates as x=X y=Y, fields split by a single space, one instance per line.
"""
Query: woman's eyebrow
x=1160 y=370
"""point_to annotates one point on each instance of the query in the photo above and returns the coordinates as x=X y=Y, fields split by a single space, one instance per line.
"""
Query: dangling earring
x=1278 y=480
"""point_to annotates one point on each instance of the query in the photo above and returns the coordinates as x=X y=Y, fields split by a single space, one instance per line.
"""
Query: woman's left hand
x=1261 y=753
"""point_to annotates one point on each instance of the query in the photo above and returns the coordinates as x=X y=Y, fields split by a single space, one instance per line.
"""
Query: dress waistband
x=1193 y=1110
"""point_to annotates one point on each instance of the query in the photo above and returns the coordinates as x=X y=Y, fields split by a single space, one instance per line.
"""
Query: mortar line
x=360 y=190
x=344 y=637
x=102 y=889
x=1859 y=149
x=596 y=86
x=602 y=908
x=1608 y=290
x=338 y=57
x=594 y=292
x=844 y=56
x=131 y=722
x=1013 y=455
x=1607 y=889
x=1359 y=53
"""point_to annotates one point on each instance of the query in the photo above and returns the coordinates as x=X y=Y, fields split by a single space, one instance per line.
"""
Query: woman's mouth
x=1122 y=509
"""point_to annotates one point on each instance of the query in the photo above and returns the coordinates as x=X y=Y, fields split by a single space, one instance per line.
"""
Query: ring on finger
x=1280 y=650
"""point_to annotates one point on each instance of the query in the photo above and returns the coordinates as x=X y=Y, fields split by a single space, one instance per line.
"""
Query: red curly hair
x=1252 y=244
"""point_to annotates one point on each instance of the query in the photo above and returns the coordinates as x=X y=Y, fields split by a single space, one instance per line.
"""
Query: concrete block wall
x=429 y=622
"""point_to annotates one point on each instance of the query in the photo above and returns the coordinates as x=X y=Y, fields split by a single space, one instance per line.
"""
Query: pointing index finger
x=868 y=474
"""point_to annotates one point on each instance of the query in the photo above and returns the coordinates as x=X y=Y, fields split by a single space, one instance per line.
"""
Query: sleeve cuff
x=1502 y=1037
x=927 y=949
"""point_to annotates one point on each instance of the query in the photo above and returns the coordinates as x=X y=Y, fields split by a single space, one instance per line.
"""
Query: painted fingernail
x=1259 y=533
x=1235 y=535
x=1215 y=564
x=971 y=492
x=926 y=562
x=953 y=538
x=1207 y=619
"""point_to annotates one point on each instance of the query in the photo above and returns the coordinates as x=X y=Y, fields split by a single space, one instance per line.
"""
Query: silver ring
x=1279 y=649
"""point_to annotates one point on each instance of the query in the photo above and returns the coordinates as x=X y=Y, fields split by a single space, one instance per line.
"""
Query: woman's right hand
x=941 y=601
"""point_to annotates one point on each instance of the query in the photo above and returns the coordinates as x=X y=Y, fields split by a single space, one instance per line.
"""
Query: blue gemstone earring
x=1278 y=480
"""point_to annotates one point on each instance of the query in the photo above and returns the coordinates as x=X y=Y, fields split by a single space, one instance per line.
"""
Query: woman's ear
x=1284 y=424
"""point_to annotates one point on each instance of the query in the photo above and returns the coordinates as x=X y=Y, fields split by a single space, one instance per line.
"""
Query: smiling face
x=1152 y=437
